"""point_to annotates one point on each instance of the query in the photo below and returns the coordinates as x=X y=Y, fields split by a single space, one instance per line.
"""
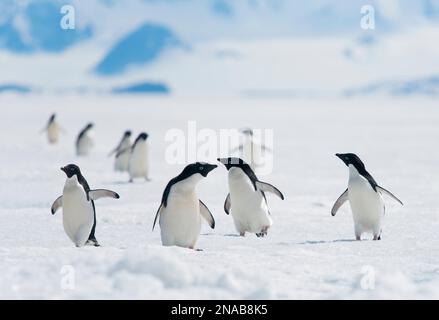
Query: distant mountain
x=144 y=88
x=36 y=27
x=140 y=47
x=428 y=86
x=17 y=88
x=235 y=46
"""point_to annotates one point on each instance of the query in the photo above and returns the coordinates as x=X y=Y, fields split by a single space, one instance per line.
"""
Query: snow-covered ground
x=307 y=254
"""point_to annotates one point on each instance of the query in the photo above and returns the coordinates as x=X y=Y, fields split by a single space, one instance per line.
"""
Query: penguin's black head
x=351 y=158
x=89 y=126
x=247 y=131
x=202 y=168
x=127 y=133
x=143 y=136
x=233 y=162
x=71 y=170
x=52 y=117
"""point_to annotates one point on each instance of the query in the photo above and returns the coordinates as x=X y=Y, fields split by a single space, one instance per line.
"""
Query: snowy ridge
x=147 y=273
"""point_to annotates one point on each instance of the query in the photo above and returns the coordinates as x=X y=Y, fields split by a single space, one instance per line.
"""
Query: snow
x=307 y=254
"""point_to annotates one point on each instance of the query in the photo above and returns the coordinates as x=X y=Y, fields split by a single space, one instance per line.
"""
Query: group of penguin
x=181 y=211
x=131 y=158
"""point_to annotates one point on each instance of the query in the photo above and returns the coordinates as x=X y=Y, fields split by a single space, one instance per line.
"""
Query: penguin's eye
x=200 y=168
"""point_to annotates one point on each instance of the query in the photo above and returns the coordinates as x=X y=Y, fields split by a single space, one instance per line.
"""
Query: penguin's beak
x=341 y=157
x=63 y=169
x=209 y=168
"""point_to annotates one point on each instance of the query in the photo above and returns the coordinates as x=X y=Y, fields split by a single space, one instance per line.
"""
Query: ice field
x=307 y=254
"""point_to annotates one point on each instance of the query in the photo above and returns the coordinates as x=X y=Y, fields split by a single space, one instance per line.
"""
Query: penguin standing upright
x=246 y=201
x=84 y=142
x=52 y=129
x=139 y=165
x=251 y=149
x=180 y=210
x=122 y=151
x=79 y=212
x=364 y=196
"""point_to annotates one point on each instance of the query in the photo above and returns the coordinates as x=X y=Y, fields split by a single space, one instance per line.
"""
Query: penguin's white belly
x=53 y=133
x=78 y=215
x=138 y=163
x=180 y=221
x=122 y=161
x=366 y=205
x=85 y=145
x=248 y=208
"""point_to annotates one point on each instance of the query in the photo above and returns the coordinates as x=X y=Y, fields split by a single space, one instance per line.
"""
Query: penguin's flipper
x=266 y=187
x=265 y=148
x=157 y=215
x=113 y=152
x=56 y=205
x=206 y=214
x=227 y=204
x=340 y=201
x=388 y=193
x=102 y=193
x=120 y=151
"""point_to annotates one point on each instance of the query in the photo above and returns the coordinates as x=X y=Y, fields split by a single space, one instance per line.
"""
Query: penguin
x=122 y=151
x=84 y=142
x=79 y=212
x=365 y=198
x=246 y=201
x=138 y=164
x=180 y=210
x=52 y=129
x=251 y=149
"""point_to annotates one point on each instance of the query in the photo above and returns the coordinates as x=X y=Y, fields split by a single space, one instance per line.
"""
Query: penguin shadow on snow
x=126 y=182
x=312 y=242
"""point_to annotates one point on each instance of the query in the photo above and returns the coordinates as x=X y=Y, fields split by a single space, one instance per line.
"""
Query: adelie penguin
x=180 y=210
x=79 y=212
x=123 y=152
x=52 y=129
x=84 y=142
x=251 y=150
x=138 y=164
x=364 y=196
x=246 y=201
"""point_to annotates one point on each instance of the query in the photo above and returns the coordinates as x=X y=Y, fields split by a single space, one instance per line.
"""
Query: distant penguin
x=122 y=151
x=251 y=149
x=84 y=142
x=180 y=211
x=79 y=212
x=52 y=129
x=246 y=201
x=365 y=198
x=139 y=165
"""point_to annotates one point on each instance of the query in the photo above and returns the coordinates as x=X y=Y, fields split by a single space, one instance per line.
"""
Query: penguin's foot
x=377 y=237
x=358 y=238
x=242 y=234
x=92 y=242
x=263 y=232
